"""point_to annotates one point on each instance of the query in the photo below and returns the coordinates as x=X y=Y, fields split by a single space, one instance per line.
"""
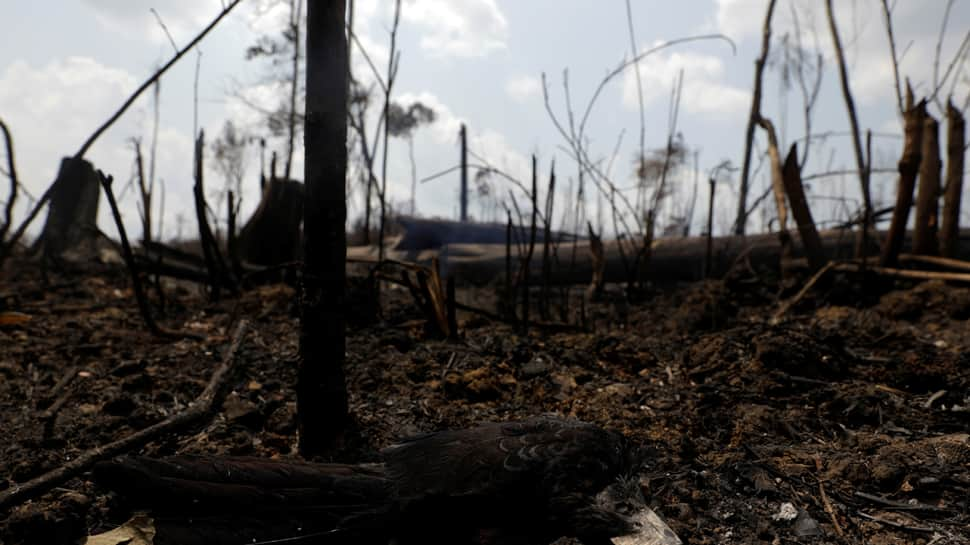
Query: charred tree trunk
x=709 y=251
x=597 y=257
x=908 y=168
x=546 y=243
x=955 y=144
x=791 y=175
x=146 y=195
x=367 y=206
x=218 y=272
x=527 y=260
x=321 y=390
x=928 y=193
x=72 y=219
x=509 y=310
x=232 y=242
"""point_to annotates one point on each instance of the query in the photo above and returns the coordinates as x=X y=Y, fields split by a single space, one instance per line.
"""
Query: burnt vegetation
x=577 y=355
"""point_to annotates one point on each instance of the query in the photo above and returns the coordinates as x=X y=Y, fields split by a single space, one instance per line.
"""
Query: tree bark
x=908 y=168
x=321 y=389
x=955 y=144
x=928 y=193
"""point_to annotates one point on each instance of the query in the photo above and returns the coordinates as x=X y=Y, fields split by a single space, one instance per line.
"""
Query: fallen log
x=424 y=234
x=674 y=259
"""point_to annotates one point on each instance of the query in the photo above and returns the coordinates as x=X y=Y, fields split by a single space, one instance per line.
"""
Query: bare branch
x=850 y=108
x=168 y=34
x=14 y=183
x=888 y=20
x=392 y=65
x=753 y=116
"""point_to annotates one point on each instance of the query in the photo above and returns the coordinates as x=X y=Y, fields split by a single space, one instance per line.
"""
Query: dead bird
x=528 y=481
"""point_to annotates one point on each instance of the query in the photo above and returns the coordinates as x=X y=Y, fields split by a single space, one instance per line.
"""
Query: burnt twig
x=205 y=404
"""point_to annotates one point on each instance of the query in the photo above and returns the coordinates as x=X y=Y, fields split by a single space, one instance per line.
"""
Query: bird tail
x=235 y=500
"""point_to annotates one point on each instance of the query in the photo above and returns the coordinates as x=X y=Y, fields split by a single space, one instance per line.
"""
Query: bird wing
x=538 y=456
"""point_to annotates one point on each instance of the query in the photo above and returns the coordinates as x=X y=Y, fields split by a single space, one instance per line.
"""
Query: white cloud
x=704 y=90
x=916 y=26
x=739 y=19
x=267 y=17
x=52 y=109
x=523 y=88
x=457 y=28
x=183 y=18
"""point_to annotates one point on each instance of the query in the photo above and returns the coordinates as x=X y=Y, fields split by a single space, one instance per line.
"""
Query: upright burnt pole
x=321 y=389
x=464 y=173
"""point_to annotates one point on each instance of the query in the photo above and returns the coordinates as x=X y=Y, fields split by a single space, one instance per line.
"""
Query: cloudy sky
x=480 y=62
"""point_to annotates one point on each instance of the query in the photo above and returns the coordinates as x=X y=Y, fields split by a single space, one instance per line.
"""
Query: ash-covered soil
x=845 y=422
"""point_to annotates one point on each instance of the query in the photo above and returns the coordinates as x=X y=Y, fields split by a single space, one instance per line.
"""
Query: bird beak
x=651 y=530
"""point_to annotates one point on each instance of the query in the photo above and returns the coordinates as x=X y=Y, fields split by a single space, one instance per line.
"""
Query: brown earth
x=854 y=410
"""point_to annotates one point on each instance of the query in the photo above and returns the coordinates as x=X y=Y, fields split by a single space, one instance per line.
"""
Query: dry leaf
x=13 y=318
x=139 y=530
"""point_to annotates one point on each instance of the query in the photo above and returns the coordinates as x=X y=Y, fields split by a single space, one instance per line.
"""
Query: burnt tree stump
x=71 y=225
x=272 y=234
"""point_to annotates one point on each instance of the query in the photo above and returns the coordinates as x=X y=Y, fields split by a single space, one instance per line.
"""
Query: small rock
x=805 y=525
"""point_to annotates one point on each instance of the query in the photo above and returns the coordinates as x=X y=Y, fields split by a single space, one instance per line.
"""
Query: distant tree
x=653 y=170
x=402 y=122
x=230 y=156
x=285 y=55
